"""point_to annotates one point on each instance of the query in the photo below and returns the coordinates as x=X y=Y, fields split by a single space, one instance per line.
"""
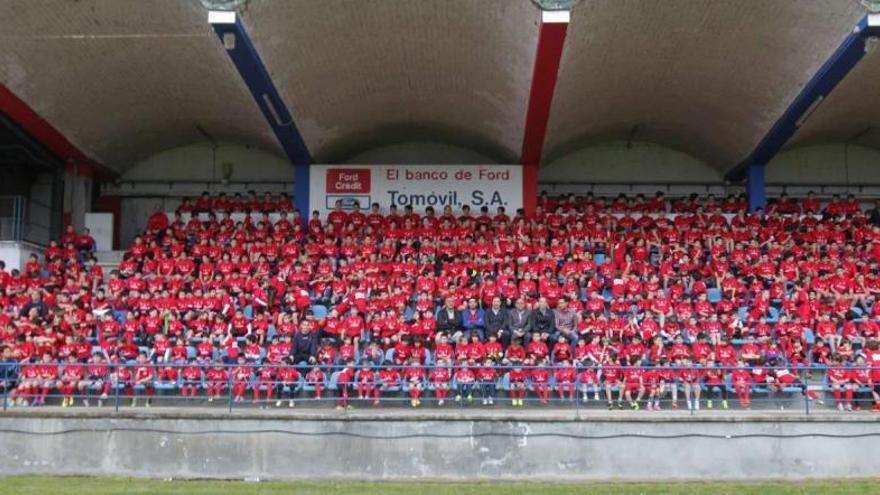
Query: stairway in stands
x=109 y=260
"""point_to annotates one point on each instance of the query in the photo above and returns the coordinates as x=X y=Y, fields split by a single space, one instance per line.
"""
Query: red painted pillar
x=551 y=39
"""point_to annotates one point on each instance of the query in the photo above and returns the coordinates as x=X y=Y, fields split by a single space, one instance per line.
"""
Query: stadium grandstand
x=661 y=216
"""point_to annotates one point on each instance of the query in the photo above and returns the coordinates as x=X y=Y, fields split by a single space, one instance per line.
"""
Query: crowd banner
x=418 y=186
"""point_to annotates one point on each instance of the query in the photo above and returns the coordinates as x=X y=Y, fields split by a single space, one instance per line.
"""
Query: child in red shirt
x=742 y=383
x=488 y=376
x=690 y=377
x=415 y=377
x=216 y=379
x=565 y=377
x=517 y=380
x=143 y=376
x=70 y=379
x=287 y=382
x=366 y=379
x=192 y=379
x=540 y=377
x=465 y=379
x=345 y=380
x=241 y=377
x=440 y=377
x=839 y=379
x=634 y=382
x=315 y=378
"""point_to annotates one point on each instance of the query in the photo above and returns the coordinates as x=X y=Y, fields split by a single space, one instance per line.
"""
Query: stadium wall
x=643 y=163
x=421 y=153
x=828 y=164
x=202 y=162
x=272 y=446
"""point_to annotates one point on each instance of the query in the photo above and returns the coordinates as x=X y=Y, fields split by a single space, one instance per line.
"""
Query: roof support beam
x=241 y=50
x=551 y=39
x=835 y=69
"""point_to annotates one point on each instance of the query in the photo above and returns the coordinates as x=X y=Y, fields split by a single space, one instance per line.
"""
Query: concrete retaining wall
x=270 y=448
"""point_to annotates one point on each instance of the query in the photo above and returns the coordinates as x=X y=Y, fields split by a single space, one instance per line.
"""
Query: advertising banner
x=417 y=185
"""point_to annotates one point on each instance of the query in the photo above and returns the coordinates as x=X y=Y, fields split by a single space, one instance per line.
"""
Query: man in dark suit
x=519 y=321
x=495 y=319
x=449 y=320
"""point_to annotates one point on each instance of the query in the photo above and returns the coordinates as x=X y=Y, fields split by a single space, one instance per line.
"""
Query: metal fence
x=234 y=386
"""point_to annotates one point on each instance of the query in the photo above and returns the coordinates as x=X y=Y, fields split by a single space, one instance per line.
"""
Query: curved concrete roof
x=127 y=79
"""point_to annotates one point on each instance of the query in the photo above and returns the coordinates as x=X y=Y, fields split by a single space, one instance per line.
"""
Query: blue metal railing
x=238 y=385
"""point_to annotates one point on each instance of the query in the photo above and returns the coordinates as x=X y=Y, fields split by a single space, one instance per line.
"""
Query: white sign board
x=100 y=226
x=417 y=185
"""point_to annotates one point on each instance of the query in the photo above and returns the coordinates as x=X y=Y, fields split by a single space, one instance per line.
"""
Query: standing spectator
x=874 y=214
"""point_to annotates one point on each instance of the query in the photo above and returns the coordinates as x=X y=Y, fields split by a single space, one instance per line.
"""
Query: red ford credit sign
x=348 y=180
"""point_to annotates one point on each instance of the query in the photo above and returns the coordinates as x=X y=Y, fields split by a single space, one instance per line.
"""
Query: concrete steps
x=109 y=260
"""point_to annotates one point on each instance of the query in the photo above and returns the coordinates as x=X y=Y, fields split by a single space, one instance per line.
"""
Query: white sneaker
x=485 y=402
x=596 y=396
x=491 y=402
x=440 y=402
x=697 y=406
x=690 y=405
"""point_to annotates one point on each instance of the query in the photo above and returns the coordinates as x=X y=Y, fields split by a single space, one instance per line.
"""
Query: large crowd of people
x=628 y=301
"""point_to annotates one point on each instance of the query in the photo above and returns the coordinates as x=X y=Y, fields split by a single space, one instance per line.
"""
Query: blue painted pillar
x=241 y=50
x=756 y=188
x=302 y=177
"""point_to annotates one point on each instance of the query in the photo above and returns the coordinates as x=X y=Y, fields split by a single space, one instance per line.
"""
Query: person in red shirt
x=315 y=378
x=517 y=380
x=634 y=381
x=540 y=377
x=191 y=379
x=782 y=377
x=689 y=377
x=742 y=383
x=70 y=379
x=388 y=380
x=612 y=377
x=588 y=379
x=216 y=379
x=839 y=381
x=440 y=376
x=713 y=379
x=287 y=382
x=143 y=376
x=465 y=378
x=345 y=382
x=241 y=378
x=415 y=378
x=366 y=380
x=266 y=379
x=158 y=221
x=488 y=376
x=48 y=378
x=97 y=377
